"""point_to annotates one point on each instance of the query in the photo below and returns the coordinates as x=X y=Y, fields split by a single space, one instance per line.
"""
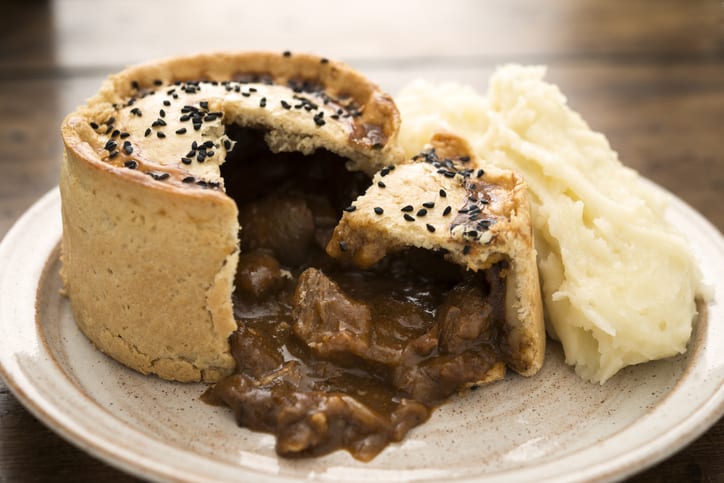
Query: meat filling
x=331 y=357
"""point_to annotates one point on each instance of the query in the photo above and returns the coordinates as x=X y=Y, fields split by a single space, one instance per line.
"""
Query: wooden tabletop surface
x=649 y=74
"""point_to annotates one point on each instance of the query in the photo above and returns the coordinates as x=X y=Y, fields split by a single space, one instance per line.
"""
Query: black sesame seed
x=208 y=144
x=262 y=102
x=204 y=104
x=408 y=217
x=162 y=113
x=350 y=208
x=209 y=154
x=111 y=121
x=379 y=210
x=136 y=112
x=158 y=122
x=124 y=135
x=131 y=164
x=157 y=82
x=466 y=249
x=181 y=131
x=377 y=146
x=194 y=145
x=286 y=53
x=285 y=104
x=113 y=155
x=188 y=179
x=128 y=147
x=447 y=211
x=343 y=246
x=471 y=234
x=115 y=133
x=93 y=125
x=160 y=135
x=381 y=184
x=245 y=94
x=407 y=208
x=464 y=159
x=430 y=228
x=384 y=171
x=319 y=119
x=480 y=173
x=186 y=160
x=335 y=117
x=166 y=103
x=323 y=61
x=429 y=204
x=147 y=133
x=201 y=156
x=134 y=85
x=184 y=118
x=110 y=145
x=158 y=176
x=421 y=212
x=449 y=174
x=252 y=89
x=443 y=194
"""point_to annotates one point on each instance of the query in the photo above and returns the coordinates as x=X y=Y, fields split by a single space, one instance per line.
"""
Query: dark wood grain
x=650 y=75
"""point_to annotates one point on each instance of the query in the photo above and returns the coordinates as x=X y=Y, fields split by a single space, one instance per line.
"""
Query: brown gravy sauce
x=328 y=356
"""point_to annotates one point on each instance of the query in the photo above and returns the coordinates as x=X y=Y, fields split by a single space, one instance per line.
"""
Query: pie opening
x=330 y=356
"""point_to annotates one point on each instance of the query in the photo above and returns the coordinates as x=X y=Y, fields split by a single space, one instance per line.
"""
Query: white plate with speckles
x=551 y=427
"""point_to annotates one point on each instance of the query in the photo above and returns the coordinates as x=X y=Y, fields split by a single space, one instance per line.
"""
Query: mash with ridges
x=619 y=283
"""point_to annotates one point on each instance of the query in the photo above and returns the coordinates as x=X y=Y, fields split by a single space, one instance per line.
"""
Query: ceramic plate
x=551 y=427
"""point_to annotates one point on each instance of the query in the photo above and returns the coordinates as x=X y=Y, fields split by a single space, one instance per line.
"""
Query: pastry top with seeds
x=441 y=200
x=165 y=118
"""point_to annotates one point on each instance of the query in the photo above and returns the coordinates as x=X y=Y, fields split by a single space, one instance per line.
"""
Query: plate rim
x=674 y=438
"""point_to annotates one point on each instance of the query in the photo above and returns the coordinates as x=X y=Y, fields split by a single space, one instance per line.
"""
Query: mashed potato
x=618 y=282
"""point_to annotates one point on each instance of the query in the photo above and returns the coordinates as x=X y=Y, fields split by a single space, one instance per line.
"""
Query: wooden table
x=649 y=74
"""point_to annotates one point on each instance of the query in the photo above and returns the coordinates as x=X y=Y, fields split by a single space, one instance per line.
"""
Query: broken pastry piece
x=431 y=288
x=476 y=215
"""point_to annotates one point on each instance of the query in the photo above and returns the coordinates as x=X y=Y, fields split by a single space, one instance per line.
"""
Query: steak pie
x=248 y=220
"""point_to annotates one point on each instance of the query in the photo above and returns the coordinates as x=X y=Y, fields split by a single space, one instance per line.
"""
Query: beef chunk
x=464 y=337
x=254 y=352
x=258 y=274
x=284 y=225
x=326 y=319
x=464 y=319
x=436 y=378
